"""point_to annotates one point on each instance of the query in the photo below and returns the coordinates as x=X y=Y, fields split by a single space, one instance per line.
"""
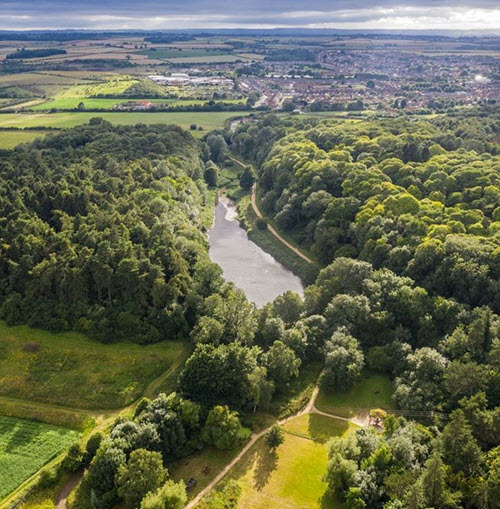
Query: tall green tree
x=143 y=473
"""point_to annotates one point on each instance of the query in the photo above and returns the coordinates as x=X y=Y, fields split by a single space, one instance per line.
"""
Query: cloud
x=174 y=14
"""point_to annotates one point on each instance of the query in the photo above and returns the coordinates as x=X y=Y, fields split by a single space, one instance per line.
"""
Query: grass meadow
x=207 y=120
x=93 y=103
x=374 y=390
x=10 y=139
x=318 y=427
x=25 y=446
x=72 y=370
x=292 y=476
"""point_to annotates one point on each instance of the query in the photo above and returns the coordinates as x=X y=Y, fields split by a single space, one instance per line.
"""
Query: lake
x=244 y=263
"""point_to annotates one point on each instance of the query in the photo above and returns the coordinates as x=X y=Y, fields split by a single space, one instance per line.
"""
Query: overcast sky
x=178 y=14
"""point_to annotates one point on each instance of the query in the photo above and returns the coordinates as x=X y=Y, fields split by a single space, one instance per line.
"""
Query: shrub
x=48 y=479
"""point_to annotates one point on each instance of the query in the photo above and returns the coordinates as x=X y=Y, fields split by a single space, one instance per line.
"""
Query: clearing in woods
x=44 y=367
x=374 y=390
x=292 y=476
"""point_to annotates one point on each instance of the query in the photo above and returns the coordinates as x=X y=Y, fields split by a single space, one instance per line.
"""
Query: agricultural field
x=107 y=104
x=169 y=53
x=374 y=390
x=25 y=446
x=73 y=103
x=207 y=59
x=115 y=85
x=42 y=84
x=207 y=120
x=292 y=476
x=10 y=139
x=43 y=367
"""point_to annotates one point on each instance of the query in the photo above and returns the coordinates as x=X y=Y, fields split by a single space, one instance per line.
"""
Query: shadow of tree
x=328 y=501
x=322 y=428
x=267 y=462
x=22 y=434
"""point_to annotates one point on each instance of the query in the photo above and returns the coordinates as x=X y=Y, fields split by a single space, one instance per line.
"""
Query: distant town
x=383 y=74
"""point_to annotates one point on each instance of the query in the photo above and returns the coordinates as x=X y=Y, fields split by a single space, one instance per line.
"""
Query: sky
x=181 y=14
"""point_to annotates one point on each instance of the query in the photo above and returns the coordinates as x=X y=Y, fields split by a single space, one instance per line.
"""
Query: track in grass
x=25 y=446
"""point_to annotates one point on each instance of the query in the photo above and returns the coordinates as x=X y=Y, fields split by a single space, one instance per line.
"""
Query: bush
x=73 y=460
x=93 y=443
x=48 y=479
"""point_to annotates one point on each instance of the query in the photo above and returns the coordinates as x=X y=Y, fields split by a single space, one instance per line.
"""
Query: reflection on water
x=244 y=263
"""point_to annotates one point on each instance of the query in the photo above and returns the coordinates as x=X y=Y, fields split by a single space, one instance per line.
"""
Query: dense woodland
x=102 y=231
x=404 y=215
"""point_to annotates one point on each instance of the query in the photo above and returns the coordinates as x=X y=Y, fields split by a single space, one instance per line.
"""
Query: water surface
x=244 y=263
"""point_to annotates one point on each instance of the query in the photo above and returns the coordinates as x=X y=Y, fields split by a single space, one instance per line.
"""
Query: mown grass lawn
x=292 y=476
x=73 y=370
x=373 y=391
x=25 y=446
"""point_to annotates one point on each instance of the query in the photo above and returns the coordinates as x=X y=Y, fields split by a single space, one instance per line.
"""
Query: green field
x=25 y=446
x=72 y=370
x=115 y=85
x=195 y=465
x=107 y=104
x=169 y=53
x=207 y=59
x=207 y=120
x=318 y=427
x=291 y=477
x=72 y=104
x=10 y=139
x=373 y=391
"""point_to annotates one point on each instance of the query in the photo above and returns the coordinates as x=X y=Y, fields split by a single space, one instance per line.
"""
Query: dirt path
x=270 y=227
x=66 y=490
x=273 y=231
